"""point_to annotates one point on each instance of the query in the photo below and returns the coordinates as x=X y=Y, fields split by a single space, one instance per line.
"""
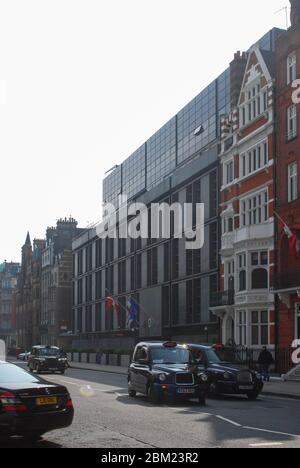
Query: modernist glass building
x=171 y=285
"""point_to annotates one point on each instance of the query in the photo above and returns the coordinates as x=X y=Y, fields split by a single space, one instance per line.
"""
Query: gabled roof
x=260 y=64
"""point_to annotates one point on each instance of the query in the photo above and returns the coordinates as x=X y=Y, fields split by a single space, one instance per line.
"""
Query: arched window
x=260 y=279
x=242 y=280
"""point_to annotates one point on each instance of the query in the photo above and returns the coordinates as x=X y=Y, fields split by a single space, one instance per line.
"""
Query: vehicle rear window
x=48 y=352
x=13 y=374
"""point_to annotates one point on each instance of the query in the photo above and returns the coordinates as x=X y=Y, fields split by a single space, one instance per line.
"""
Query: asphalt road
x=105 y=417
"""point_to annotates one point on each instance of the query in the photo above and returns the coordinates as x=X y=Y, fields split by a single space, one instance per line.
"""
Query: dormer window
x=255 y=103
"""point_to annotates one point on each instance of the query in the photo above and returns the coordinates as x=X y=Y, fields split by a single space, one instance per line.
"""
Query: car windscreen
x=13 y=374
x=48 y=352
x=222 y=355
x=170 y=356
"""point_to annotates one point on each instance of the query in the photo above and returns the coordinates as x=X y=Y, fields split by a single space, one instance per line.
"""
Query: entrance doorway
x=229 y=330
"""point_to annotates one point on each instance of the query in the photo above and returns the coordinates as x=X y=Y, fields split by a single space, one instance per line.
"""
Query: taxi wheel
x=252 y=396
x=153 y=396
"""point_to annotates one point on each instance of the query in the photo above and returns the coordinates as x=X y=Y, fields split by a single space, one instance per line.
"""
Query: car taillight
x=11 y=403
x=69 y=403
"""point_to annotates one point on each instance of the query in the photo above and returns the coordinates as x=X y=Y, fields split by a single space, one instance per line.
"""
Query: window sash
x=260 y=324
x=291 y=68
x=292 y=122
x=254 y=209
x=254 y=160
x=292 y=182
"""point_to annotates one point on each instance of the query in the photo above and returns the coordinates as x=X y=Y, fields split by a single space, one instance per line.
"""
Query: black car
x=165 y=371
x=226 y=374
x=30 y=406
x=47 y=359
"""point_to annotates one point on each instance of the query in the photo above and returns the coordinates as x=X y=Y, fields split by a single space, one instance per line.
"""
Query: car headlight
x=203 y=377
x=226 y=376
x=162 y=377
x=258 y=376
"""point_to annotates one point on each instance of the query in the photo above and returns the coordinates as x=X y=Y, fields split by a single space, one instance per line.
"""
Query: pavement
x=106 y=417
x=276 y=387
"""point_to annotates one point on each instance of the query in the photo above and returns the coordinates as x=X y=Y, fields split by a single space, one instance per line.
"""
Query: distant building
x=56 y=283
x=8 y=281
x=28 y=294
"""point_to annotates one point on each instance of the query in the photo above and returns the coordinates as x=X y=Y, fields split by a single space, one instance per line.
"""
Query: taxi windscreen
x=171 y=356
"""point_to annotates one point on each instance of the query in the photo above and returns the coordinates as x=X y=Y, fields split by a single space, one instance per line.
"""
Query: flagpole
x=279 y=217
x=133 y=299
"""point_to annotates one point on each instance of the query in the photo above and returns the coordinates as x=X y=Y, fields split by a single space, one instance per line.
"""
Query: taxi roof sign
x=170 y=344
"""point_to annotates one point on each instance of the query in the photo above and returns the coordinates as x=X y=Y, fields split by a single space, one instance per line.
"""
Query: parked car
x=47 y=359
x=23 y=356
x=226 y=374
x=30 y=406
x=166 y=371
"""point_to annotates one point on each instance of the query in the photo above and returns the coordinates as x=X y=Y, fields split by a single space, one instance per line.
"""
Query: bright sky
x=83 y=83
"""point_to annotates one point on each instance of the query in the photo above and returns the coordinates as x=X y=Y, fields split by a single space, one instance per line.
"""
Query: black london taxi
x=31 y=406
x=47 y=359
x=166 y=371
x=226 y=374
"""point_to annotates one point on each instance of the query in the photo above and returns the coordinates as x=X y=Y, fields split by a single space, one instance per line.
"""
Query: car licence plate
x=45 y=401
x=186 y=391
x=245 y=387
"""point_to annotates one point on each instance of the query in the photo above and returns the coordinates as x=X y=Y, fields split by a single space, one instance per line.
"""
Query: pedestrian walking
x=265 y=361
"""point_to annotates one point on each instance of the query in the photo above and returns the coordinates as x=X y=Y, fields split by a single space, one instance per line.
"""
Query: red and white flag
x=294 y=243
x=111 y=303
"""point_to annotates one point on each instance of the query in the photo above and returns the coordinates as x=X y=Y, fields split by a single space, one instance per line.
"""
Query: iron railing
x=222 y=298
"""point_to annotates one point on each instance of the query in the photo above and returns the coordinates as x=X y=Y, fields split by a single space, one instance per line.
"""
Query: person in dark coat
x=265 y=361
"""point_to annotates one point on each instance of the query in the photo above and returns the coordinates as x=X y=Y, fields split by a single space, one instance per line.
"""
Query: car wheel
x=132 y=393
x=153 y=396
x=202 y=400
x=62 y=372
x=252 y=396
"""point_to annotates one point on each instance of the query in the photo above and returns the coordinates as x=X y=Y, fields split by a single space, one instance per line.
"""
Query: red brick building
x=246 y=303
x=287 y=181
